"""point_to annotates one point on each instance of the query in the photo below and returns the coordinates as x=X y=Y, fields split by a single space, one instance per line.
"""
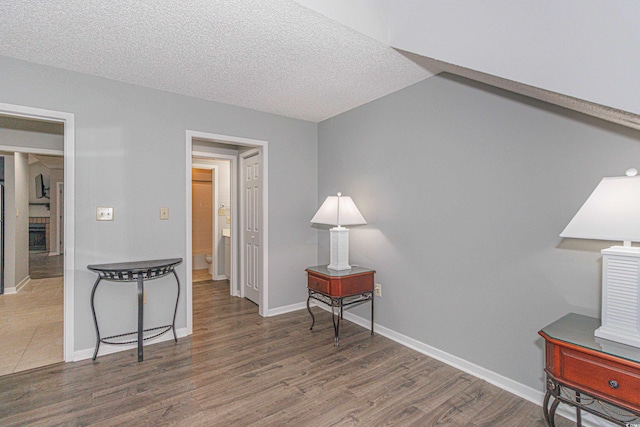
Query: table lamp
x=339 y=211
x=612 y=212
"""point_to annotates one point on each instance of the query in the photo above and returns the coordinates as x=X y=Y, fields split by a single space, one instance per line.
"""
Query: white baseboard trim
x=221 y=277
x=532 y=395
x=105 y=349
x=491 y=377
x=54 y=253
x=287 y=309
x=18 y=287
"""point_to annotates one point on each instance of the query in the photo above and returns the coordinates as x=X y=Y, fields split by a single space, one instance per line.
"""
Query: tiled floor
x=200 y=275
x=31 y=326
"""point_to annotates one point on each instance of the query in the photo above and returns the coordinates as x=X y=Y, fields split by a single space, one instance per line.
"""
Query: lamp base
x=618 y=336
x=339 y=248
x=621 y=295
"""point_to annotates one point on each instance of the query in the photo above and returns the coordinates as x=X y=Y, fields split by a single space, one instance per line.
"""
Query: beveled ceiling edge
x=600 y=111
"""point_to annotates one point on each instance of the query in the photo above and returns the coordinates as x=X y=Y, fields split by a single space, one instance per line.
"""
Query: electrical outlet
x=378 y=289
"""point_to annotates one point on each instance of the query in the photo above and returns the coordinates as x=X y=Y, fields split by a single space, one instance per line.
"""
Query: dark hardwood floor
x=240 y=369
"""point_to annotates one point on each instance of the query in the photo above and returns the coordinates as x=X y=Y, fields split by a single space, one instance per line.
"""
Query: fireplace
x=37 y=237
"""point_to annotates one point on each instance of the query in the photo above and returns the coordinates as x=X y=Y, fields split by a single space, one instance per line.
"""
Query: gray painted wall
x=465 y=189
x=130 y=154
x=16 y=237
x=56 y=176
x=31 y=139
x=21 y=171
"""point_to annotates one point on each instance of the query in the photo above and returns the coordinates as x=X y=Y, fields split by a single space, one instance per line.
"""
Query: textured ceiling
x=269 y=55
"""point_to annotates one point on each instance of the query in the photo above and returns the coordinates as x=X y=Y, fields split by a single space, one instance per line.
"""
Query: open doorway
x=31 y=307
x=211 y=147
x=211 y=216
x=45 y=139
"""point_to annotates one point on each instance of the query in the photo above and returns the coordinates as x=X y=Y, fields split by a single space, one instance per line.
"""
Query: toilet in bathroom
x=208 y=258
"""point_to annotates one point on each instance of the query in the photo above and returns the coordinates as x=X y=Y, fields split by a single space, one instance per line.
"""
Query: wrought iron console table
x=339 y=289
x=137 y=271
x=594 y=375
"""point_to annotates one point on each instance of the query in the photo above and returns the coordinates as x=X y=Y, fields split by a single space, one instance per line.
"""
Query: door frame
x=59 y=200
x=189 y=153
x=68 y=121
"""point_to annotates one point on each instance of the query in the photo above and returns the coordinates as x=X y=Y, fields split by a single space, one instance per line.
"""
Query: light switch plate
x=104 y=214
x=164 y=213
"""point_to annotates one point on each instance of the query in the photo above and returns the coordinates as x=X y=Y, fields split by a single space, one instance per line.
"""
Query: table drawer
x=318 y=284
x=352 y=285
x=612 y=380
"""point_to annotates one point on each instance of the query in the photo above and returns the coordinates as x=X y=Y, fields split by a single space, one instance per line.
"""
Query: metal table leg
x=313 y=319
x=140 y=316
x=175 y=312
x=545 y=406
x=552 y=413
x=578 y=413
x=336 y=326
x=372 y=299
x=95 y=319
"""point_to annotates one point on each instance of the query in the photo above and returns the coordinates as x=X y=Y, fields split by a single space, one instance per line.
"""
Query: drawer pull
x=613 y=383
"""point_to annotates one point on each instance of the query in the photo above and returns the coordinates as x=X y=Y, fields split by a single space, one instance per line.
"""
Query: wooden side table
x=339 y=289
x=592 y=374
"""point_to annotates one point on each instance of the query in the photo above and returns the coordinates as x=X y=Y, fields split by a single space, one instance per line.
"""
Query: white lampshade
x=612 y=212
x=338 y=210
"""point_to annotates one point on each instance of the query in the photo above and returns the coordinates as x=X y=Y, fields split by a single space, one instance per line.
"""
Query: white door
x=252 y=225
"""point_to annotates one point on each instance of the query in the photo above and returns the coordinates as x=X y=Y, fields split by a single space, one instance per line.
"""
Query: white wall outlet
x=104 y=214
x=164 y=213
x=378 y=289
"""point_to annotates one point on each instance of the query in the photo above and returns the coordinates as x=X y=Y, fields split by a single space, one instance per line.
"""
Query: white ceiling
x=269 y=55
